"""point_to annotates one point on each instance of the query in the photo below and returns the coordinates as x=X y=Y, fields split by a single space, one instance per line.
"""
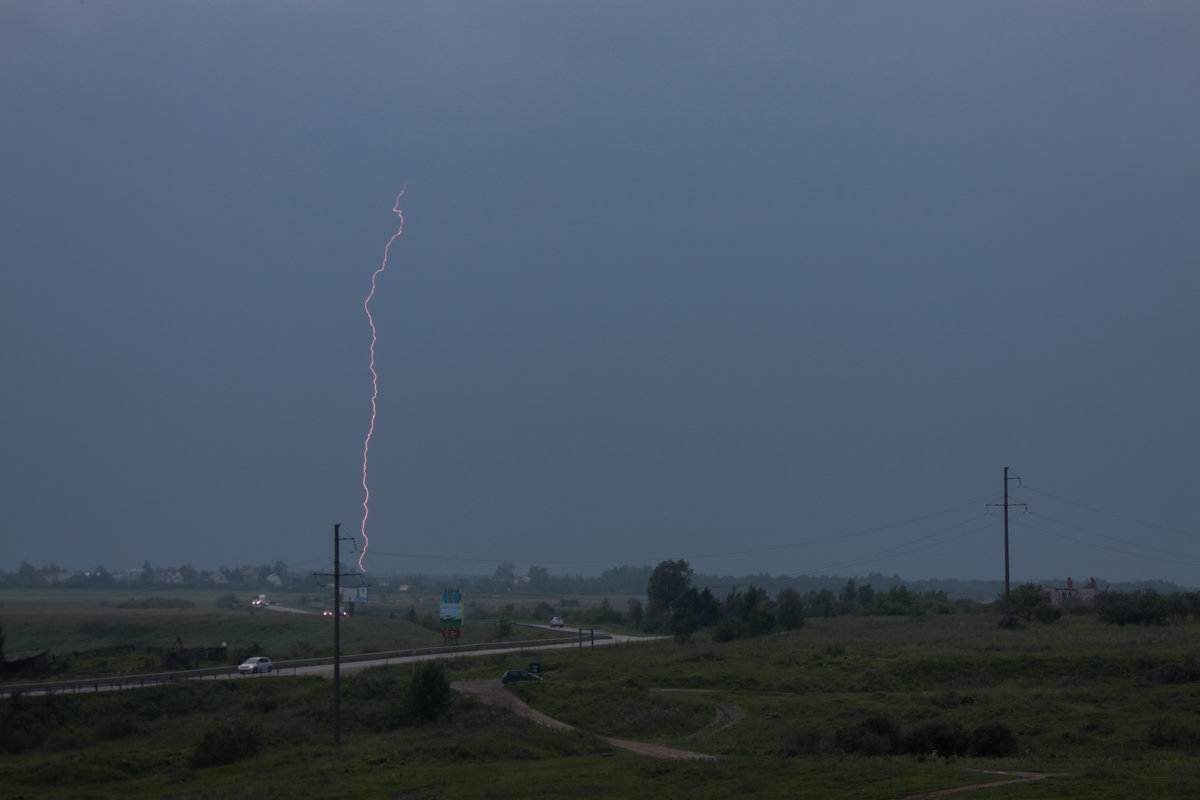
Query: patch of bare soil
x=492 y=692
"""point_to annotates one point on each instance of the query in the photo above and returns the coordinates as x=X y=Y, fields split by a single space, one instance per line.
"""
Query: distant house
x=217 y=577
x=1072 y=592
x=167 y=576
x=274 y=580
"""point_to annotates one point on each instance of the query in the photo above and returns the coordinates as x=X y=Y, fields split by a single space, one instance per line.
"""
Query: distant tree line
x=256 y=576
x=677 y=599
x=675 y=605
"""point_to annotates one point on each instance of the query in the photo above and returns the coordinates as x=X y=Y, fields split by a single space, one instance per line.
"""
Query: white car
x=255 y=665
x=556 y=622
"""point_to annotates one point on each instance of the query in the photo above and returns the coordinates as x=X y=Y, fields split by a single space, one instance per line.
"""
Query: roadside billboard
x=451 y=614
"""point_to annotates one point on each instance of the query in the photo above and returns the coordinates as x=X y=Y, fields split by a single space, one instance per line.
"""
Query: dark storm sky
x=775 y=287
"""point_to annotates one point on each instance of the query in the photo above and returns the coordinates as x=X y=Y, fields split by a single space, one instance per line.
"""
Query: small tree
x=429 y=692
x=225 y=745
x=504 y=626
x=635 y=612
x=994 y=740
x=821 y=603
x=937 y=736
x=668 y=583
x=791 y=609
x=876 y=735
x=1026 y=600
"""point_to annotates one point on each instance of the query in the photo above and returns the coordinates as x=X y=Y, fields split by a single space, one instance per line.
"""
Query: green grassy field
x=68 y=622
x=1082 y=698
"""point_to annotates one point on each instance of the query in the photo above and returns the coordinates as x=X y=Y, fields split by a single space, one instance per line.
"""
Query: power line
x=899 y=551
x=1110 y=513
x=1114 y=538
x=1169 y=558
x=700 y=556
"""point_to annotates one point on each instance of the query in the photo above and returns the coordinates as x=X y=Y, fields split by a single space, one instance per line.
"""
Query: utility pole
x=337 y=575
x=1006 y=504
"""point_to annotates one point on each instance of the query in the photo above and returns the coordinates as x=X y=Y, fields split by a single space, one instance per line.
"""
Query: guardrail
x=214 y=673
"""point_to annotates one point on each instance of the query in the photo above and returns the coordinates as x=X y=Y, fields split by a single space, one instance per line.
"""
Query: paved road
x=325 y=670
x=355 y=666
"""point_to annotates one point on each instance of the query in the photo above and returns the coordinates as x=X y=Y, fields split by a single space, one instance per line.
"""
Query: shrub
x=937 y=736
x=226 y=744
x=1173 y=735
x=242 y=653
x=876 y=735
x=994 y=740
x=1047 y=613
x=429 y=692
x=801 y=741
x=1122 y=608
x=727 y=630
x=1174 y=673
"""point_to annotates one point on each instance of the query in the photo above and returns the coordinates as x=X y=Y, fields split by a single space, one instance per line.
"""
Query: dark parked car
x=519 y=675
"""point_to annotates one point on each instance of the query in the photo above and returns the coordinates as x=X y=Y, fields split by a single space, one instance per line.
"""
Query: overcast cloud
x=775 y=287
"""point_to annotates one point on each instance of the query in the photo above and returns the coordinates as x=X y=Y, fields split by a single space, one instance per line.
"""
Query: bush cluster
x=226 y=744
x=1132 y=608
x=375 y=700
x=878 y=734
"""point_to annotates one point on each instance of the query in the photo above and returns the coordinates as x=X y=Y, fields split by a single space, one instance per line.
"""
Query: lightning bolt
x=374 y=380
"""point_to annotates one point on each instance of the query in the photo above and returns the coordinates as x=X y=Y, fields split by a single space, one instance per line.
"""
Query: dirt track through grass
x=1016 y=777
x=492 y=692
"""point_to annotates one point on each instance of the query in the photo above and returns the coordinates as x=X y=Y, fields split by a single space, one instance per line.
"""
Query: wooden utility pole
x=337 y=629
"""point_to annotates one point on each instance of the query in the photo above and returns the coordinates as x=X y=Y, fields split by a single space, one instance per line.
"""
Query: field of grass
x=69 y=622
x=1082 y=698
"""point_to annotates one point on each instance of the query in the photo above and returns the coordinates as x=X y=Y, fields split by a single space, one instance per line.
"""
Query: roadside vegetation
x=857 y=705
x=844 y=706
x=859 y=692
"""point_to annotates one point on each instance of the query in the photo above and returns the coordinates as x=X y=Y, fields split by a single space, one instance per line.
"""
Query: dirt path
x=727 y=713
x=492 y=692
x=1013 y=777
